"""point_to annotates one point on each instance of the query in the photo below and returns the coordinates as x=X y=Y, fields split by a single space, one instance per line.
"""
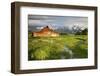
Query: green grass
x=62 y=47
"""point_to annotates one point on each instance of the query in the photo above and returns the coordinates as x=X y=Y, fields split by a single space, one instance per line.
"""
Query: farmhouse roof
x=46 y=28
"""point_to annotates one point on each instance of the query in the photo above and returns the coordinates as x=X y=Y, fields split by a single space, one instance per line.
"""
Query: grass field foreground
x=62 y=47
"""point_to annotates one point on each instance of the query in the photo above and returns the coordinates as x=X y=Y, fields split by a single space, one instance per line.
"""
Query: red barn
x=45 y=32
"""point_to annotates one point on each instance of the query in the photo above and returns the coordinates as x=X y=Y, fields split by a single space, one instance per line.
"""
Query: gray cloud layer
x=57 y=21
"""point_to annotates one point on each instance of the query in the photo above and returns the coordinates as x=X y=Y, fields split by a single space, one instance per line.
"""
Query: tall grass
x=48 y=48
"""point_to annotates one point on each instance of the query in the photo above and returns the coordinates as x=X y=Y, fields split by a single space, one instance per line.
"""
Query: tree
x=76 y=30
x=84 y=32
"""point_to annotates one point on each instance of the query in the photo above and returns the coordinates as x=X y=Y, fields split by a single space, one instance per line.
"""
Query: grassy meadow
x=62 y=47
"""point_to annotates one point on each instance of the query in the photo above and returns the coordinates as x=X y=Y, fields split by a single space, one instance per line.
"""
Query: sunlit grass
x=46 y=48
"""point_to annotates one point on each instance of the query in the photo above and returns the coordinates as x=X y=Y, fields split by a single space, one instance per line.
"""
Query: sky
x=57 y=21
